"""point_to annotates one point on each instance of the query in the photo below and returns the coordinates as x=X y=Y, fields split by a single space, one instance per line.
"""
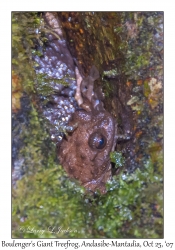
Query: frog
x=78 y=123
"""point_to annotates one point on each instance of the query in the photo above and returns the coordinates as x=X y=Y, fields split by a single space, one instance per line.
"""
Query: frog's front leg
x=78 y=96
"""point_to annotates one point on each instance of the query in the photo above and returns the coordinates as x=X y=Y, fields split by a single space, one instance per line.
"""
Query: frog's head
x=85 y=153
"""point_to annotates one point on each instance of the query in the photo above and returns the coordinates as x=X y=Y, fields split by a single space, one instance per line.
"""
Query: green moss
x=110 y=73
x=117 y=158
x=48 y=199
x=43 y=84
x=107 y=88
x=146 y=88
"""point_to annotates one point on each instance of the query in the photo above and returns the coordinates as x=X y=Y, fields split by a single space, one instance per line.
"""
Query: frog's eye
x=97 y=141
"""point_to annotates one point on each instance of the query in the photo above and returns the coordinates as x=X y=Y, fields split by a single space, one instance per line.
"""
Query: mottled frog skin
x=84 y=154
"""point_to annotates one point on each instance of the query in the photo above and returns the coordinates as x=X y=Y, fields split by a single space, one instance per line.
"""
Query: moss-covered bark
x=127 y=48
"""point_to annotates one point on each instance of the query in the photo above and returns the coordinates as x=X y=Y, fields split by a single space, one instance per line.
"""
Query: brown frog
x=84 y=153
